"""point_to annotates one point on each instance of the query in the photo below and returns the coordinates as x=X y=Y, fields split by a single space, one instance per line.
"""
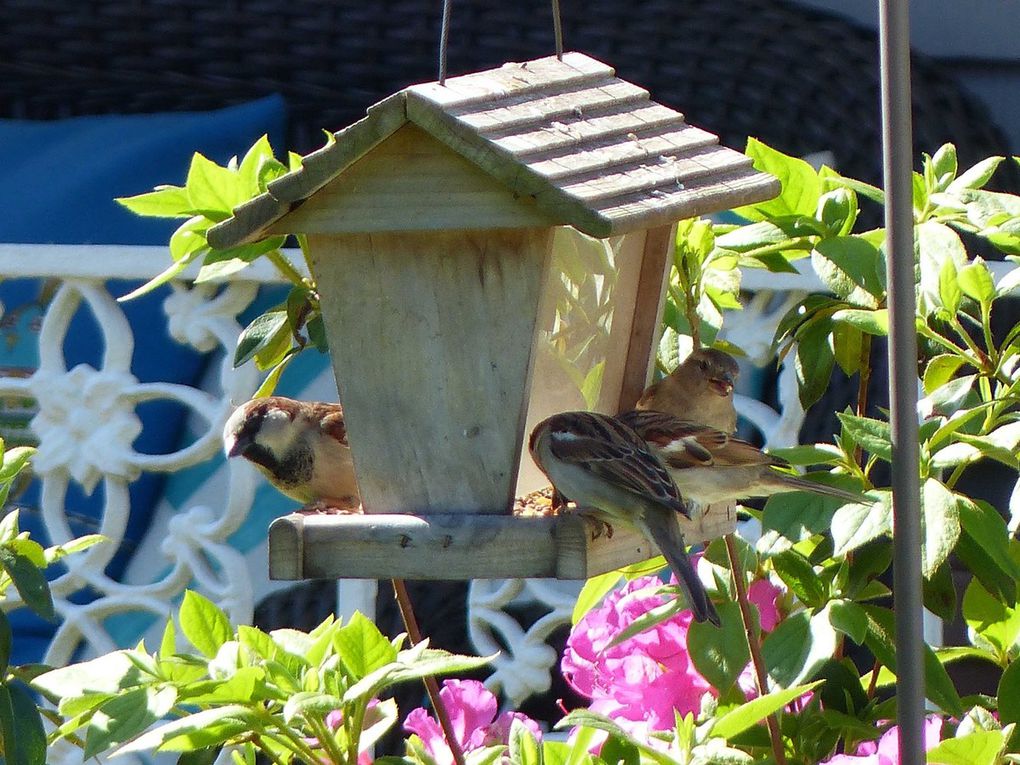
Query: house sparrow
x=700 y=389
x=600 y=463
x=710 y=466
x=300 y=446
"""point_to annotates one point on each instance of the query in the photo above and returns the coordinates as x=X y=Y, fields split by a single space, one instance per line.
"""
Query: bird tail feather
x=799 y=484
x=664 y=530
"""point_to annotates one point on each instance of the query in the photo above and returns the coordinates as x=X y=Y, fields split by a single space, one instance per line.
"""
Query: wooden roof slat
x=587 y=149
x=546 y=107
x=675 y=143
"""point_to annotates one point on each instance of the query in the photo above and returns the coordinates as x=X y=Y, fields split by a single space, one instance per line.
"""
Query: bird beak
x=234 y=446
x=722 y=385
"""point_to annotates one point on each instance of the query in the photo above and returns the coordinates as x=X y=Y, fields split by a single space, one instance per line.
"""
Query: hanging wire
x=557 y=29
x=444 y=39
x=897 y=156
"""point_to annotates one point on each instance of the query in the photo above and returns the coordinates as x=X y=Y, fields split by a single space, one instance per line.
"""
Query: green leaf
x=949 y=286
x=198 y=731
x=125 y=716
x=362 y=647
x=204 y=624
x=524 y=748
x=986 y=528
x=976 y=282
x=720 y=655
x=206 y=756
x=940 y=593
x=797 y=515
x=938 y=687
x=29 y=580
x=106 y=674
x=310 y=705
x=979 y=748
x=995 y=622
x=259 y=334
x=872 y=322
x=873 y=436
x=1009 y=694
x=856 y=524
x=159 y=280
x=163 y=202
x=941 y=522
x=584 y=718
x=412 y=666
x=837 y=210
x=798 y=646
x=743 y=717
x=212 y=189
x=596 y=588
x=219 y=264
x=799 y=575
x=189 y=240
x=943 y=166
x=250 y=171
x=849 y=266
x=809 y=454
x=849 y=618
x=814 y=360
x=269 y=384
x=801 y=186
x=940 y=370
x=6 y=639
x=935 y=244
x=847 y=347
x=24 y=739
x=977 y=176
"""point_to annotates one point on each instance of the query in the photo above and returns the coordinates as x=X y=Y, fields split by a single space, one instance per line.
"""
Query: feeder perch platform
x=459 y=546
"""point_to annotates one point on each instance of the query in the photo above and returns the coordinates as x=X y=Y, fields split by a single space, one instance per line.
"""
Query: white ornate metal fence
x=87 y=423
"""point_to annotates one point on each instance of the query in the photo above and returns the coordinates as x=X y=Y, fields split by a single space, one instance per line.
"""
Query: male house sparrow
x=710 y=466
x=300 y=446
x=598 y=462
x=700 y=389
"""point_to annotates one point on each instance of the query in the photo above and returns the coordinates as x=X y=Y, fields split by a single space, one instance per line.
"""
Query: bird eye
x=703 y=365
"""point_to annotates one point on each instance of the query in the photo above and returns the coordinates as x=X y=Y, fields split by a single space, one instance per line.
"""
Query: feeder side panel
x=431 y=336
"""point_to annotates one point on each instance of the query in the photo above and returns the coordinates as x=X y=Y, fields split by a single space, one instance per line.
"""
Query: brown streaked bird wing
x=684 y=444
x=331 y=421
x=615 y=453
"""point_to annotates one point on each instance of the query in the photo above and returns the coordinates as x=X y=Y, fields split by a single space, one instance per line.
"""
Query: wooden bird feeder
x=488 y=251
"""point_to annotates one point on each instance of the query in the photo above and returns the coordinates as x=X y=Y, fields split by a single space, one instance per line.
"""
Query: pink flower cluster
x=644 y=680
x=472 y=708
x=886 y=751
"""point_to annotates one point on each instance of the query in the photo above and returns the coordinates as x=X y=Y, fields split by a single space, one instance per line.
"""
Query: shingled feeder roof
x=586 y=148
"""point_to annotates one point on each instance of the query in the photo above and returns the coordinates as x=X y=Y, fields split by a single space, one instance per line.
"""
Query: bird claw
x=341 y=506
x=599 y=527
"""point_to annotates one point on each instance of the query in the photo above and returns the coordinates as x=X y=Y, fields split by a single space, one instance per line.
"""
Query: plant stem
x=328 y=741
x=874 y=680
x=772 y=721
x=257 y=740
x=431 y=686
x=286 y=268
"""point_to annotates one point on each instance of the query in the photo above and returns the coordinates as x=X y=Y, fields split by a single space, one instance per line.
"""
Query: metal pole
x=897 y=151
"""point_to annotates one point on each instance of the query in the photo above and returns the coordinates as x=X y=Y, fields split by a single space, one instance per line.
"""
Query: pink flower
x=763 y=594
x=472 y=709
x=644 y=680
x=887 y=750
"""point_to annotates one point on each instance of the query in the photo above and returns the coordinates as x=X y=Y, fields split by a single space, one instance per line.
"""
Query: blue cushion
x=57 y=185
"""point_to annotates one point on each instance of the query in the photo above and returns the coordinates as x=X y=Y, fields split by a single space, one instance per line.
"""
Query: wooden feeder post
x=432 y=227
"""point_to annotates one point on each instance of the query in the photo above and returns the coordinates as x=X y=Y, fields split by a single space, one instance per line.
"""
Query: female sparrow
x=300 y=446
x=700 y=388
x=600 y=463
x=710 y=466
